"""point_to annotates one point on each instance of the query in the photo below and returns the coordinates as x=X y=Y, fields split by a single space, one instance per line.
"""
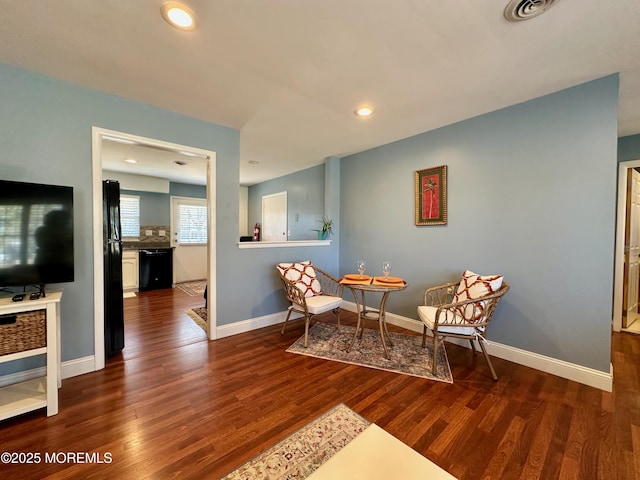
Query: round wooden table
x=364 y=313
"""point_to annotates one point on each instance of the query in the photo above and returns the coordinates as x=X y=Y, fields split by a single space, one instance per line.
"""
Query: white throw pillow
x=303 y=276
x=474 y=286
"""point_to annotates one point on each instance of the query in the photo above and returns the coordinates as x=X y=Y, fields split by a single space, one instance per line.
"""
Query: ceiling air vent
x=518 y=10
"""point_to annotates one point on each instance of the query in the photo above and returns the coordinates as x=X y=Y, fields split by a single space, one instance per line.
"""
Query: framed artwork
x=431 y=196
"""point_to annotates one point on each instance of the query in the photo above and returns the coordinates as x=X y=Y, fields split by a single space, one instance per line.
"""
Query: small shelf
x=286 y=244
x=34 y=393
x=27 y=353
x=23 y=397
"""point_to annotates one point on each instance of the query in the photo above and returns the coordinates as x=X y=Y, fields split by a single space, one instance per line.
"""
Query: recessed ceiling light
x=179 y=16
x=131 y=160
x=364 y=111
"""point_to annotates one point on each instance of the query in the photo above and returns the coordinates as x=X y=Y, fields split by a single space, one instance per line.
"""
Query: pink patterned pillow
x=474 y=286
x=303 y=275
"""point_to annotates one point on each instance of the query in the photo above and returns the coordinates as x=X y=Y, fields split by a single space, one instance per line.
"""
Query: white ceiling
x=288 y=74
x=153 y=162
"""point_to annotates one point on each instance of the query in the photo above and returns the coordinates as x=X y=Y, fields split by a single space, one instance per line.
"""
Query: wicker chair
x=468 y=319
x=297 y=282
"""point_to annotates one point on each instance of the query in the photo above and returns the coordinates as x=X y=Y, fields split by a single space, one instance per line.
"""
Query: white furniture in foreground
x=23 y=397
x=378 y=455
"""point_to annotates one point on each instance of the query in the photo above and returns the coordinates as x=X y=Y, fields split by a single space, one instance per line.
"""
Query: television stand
x=34 y=393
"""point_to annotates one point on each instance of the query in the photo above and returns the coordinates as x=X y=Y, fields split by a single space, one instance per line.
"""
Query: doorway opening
x=98 y=136
x=626 y=316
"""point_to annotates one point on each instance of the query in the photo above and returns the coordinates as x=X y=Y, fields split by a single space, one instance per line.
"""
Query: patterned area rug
x=300 y=454
x=198 y=315
x=195 y=288
x=407 y=355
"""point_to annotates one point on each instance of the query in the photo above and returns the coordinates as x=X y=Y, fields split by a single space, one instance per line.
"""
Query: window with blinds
x=192 y=224
x=130 y=215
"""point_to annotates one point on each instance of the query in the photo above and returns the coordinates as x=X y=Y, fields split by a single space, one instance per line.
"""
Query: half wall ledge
x=292 y=243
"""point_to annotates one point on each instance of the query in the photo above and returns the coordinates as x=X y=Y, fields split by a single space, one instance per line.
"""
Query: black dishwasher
x=156 y=268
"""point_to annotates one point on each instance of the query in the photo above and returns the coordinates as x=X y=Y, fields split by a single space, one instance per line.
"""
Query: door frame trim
x=621 y=216
x=97 y=134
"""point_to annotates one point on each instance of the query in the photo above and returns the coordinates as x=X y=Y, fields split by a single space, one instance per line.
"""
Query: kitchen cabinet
x=130 y=270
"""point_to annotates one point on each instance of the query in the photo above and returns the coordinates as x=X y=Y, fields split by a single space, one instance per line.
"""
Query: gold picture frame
x=431 y=196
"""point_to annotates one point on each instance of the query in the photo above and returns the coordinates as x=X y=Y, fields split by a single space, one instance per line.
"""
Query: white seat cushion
x=428 y=316
x=322 y=303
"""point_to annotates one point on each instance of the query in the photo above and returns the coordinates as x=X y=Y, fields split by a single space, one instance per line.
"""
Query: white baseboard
x=250 y=324
x=71 y=368
x=84 y=365
x=78 y=366
x=560 y=368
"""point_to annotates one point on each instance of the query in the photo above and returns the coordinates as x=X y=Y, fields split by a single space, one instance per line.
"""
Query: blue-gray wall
x=531 y=195
x=45 y=137
x=187 y=190
x=629 y=148
x=305 y=201
x=155 y=207
x=306 y=196
x=258 y=291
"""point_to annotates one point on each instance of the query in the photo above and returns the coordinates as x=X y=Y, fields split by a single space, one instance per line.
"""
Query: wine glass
x=361 y=267
x=386 y=268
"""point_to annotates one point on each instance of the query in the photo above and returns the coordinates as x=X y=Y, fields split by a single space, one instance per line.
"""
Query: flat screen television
x=36 y=235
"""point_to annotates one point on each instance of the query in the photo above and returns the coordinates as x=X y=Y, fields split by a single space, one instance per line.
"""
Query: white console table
x=39 y=392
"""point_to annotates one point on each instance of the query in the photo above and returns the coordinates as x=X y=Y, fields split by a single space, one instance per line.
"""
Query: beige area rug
x=300 y=454
x=407 y=355
x=195 y=288
x=198 y=315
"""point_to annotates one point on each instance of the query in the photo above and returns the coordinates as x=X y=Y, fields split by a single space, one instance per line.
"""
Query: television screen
x=36 y=234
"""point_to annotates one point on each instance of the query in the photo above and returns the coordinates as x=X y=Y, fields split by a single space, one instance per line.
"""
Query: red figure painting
x=431 y=196
x=430 y=200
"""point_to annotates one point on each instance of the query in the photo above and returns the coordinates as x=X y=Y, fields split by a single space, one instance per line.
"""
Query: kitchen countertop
x=142 y=245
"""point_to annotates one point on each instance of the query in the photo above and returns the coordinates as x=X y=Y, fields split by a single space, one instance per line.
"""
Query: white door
x=189 y=238
x=274 y=217
x=632 y=259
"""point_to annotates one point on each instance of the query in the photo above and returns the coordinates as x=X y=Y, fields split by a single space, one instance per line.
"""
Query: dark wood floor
x=177 y=406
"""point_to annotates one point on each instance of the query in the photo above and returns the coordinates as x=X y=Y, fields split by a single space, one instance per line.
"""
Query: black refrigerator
x=112 y=248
